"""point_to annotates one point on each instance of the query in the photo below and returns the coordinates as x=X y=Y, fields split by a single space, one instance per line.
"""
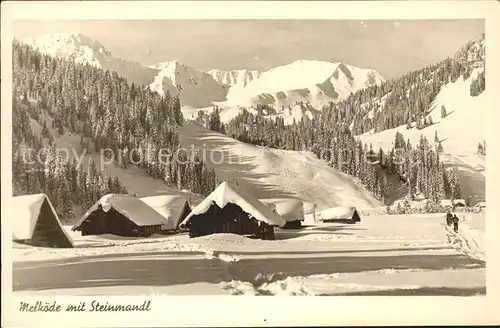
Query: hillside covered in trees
x=398 y=102
x=133 y=121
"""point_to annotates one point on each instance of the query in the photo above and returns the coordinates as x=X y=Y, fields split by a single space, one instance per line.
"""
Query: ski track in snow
x=465 y=242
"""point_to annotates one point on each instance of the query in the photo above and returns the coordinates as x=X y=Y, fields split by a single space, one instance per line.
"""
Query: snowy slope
x=194 y=88
x=459 y=132
x=229 y=112
x=233 y=78
x=294 y=113
x=272 y=173
x=317 y=82
x=84 y=50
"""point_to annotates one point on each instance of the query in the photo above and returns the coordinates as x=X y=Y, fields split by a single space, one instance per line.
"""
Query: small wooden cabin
x=36 y=223
x=229 y=209
x=174 y=208
x=121 y=215
x=455 y=203
x=290 y=209
x=340 y=215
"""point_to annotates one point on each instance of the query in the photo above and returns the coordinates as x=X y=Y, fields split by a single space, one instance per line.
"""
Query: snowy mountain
x=306 y=81
x=194 y=87
x=84 y=50
x=240 y=78
x=316 y=82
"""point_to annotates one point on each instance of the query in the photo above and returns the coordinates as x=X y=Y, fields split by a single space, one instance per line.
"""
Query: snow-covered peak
x=313 y=81
x=76 y=46
x=194 y=87
x=84 y=50
x=472 y=54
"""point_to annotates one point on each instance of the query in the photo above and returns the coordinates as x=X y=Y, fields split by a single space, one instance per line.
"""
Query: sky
x=390 y=47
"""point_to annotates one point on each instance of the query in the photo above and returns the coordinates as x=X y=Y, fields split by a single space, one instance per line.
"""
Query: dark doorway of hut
x=230 y=219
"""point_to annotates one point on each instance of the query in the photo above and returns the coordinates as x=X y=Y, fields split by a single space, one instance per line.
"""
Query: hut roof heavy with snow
x=340 y=215
x=290 y=209
x=174 y=208
x=36 y=222
x=229 y=209
x=480 y=205
x=121 y=215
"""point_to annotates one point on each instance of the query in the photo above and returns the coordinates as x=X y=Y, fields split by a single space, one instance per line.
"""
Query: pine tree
x=455 y=190
x=399 y=141
x=177 y=111
x=67 y=213
x=480 y=149
x=420 y=124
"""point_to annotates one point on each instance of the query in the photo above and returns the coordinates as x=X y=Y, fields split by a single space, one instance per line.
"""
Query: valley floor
x=382 y=255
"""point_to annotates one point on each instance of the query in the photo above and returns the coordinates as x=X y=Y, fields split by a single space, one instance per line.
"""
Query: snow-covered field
x=412 y=254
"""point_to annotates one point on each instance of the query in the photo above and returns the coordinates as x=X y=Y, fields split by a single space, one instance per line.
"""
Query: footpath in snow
x=470 y=237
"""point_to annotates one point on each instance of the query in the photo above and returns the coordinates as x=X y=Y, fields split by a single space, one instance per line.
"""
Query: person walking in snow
x=449 y=218
x=455 y=223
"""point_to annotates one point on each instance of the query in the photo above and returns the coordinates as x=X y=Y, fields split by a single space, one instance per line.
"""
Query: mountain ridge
x=200 y=89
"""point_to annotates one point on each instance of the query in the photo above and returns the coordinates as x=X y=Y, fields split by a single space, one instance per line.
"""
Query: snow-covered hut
x=36 y=222
x=340 y=215
x=290 y=209
x=121 y=215
x=453 y=203
x=174 y=208
x=229 y=209
x=309 y=213
x=479 y=207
